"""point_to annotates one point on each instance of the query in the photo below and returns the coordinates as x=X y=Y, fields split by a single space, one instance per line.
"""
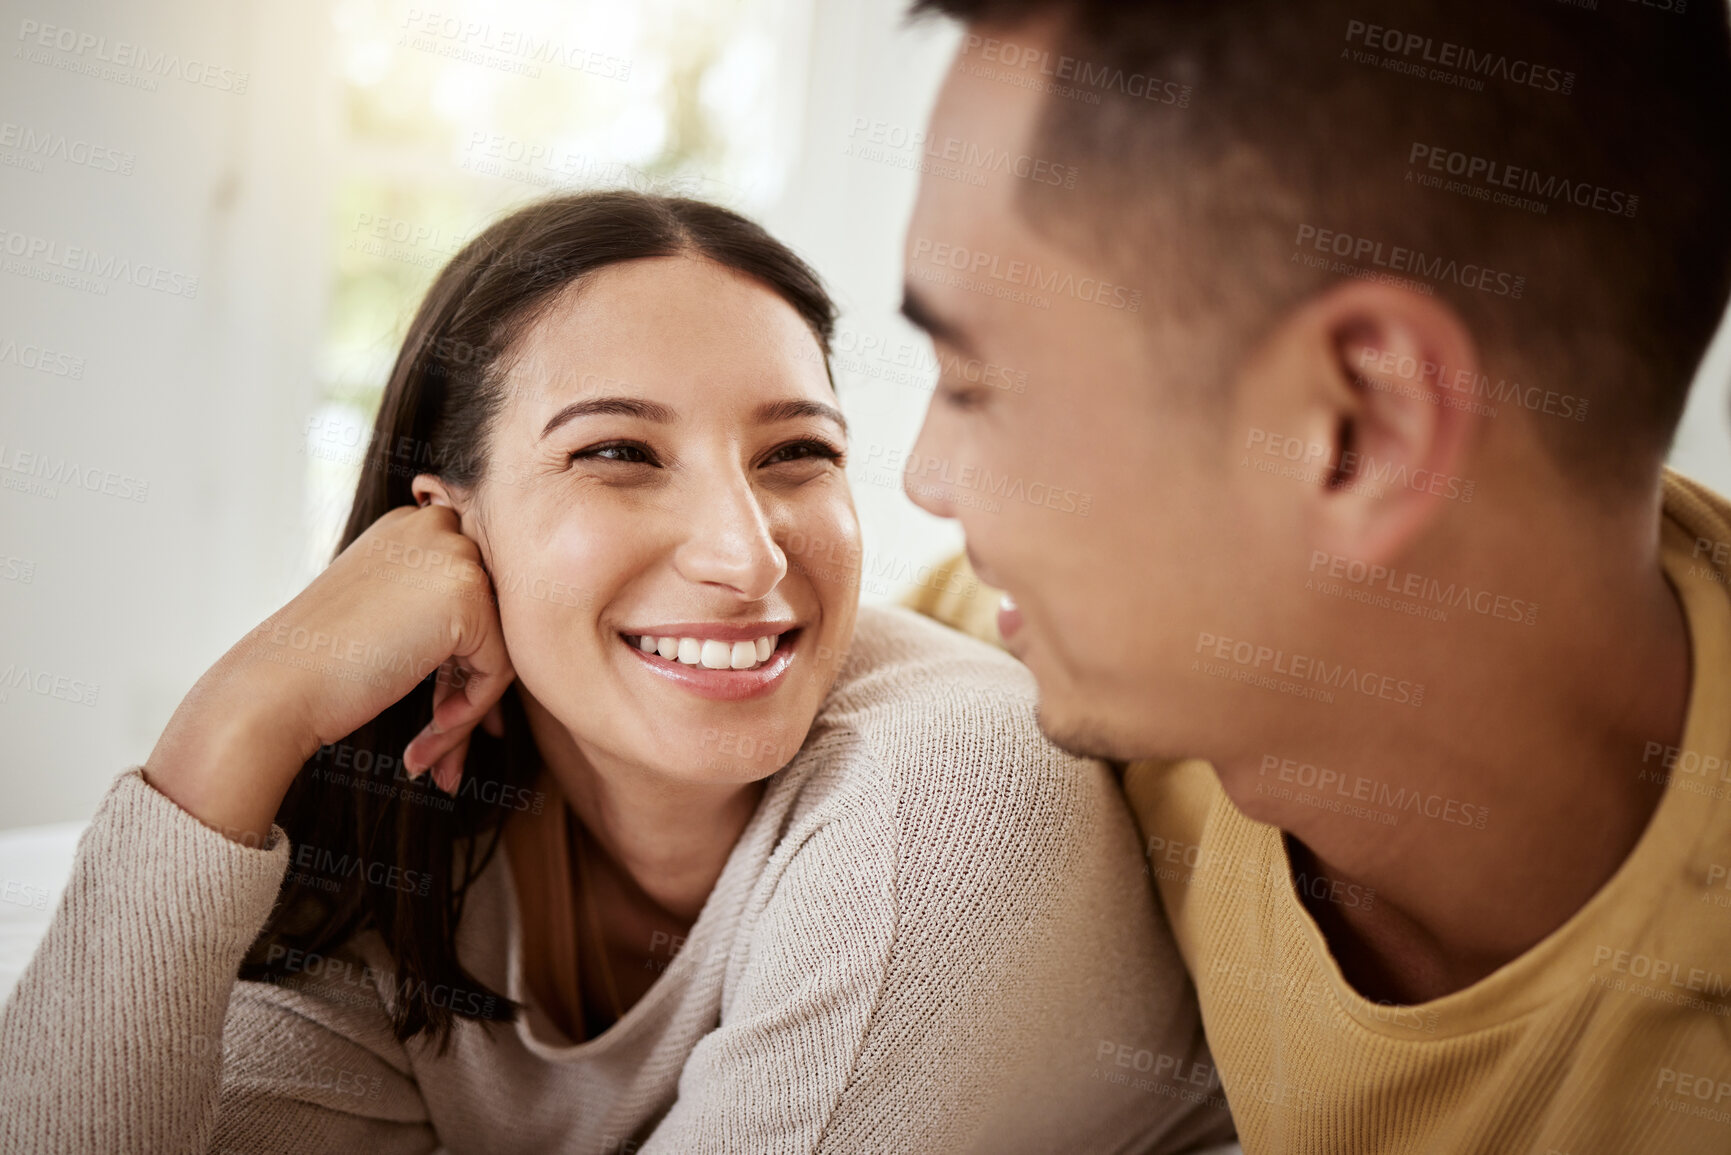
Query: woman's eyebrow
x=790 y=409
x=769 y=411
x=613 y=407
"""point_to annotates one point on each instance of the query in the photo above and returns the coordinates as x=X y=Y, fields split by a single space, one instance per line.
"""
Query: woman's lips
x=722 y=685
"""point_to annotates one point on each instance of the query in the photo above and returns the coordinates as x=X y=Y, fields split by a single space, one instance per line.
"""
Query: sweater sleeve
x=129 y=1031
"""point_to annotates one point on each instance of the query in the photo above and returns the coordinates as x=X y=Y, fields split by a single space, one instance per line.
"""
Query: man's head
x=1374 y=285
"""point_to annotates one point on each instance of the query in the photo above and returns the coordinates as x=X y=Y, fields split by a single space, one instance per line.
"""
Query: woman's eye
x=798 y=450
x=626 y=452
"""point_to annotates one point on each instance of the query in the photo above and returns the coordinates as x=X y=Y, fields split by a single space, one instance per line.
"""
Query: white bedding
x=34 y=865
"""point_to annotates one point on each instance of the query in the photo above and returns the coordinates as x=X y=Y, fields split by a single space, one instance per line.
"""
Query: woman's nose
x=730 y=542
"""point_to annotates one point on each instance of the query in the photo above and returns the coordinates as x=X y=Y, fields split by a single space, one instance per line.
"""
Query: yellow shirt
x=1612 y=1036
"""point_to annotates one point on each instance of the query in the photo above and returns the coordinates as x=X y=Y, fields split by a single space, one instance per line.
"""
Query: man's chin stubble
x=1088 y=738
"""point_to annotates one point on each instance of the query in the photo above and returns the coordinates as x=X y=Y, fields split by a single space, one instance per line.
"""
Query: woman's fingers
x=447 y=772
x=435 y=740
x=467 y=692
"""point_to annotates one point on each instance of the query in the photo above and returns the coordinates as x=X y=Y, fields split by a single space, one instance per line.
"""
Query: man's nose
x=922 y=484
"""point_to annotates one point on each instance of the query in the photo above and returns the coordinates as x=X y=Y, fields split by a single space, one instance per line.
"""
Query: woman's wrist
x=230 y=753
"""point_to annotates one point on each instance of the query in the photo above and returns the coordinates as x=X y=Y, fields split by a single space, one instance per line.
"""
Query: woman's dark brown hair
x=371 y=849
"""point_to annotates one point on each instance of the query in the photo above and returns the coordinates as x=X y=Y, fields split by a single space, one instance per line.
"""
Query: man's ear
x=1380 y=363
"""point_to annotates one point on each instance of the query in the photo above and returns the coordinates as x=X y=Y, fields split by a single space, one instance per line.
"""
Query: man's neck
x=1483 y=820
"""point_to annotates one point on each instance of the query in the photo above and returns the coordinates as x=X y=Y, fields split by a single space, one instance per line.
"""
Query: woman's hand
x=407 y=597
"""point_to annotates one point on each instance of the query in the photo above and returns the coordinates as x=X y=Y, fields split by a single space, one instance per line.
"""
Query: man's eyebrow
x=790 y=410
x=611 y=406
x=920 y=314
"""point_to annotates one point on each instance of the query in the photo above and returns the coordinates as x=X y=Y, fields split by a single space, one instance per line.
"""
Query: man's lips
x=1009 y=615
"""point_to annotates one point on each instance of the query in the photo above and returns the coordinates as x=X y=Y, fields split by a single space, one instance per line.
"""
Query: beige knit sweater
x=934 y=935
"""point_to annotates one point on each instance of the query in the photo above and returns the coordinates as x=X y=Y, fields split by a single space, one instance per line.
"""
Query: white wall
x=871 y=74
x=198 y=396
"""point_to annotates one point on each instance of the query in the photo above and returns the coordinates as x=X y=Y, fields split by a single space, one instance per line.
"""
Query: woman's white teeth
x=710 y=653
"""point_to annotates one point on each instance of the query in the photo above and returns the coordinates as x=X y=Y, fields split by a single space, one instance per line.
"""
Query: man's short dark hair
x=1558 y=170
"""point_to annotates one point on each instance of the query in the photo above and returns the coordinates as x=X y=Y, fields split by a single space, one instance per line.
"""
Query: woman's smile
x=716 y=661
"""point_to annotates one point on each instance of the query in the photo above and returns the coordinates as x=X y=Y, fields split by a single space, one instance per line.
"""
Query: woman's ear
x=429 y=490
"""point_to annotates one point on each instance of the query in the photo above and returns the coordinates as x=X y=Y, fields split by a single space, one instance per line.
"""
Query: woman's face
x=668 y=523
